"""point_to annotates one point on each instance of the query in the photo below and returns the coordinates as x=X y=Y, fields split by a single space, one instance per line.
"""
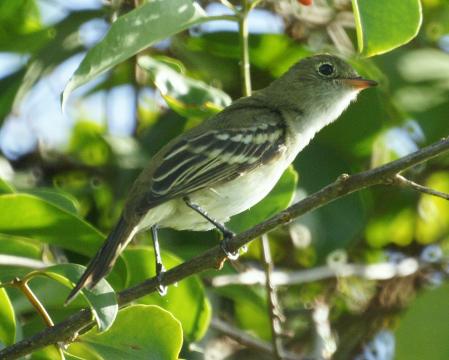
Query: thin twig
x=380 y=271
x=254 y=3
x=274 y=310
x=209 y=259
x=244 y=48
x=223 y=17
x=26 y=290
x=243 y=338
x=402 y=181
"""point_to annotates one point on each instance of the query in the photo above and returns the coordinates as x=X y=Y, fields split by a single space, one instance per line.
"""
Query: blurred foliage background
x=64 y=177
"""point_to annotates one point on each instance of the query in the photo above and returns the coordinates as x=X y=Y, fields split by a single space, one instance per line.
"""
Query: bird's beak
x=360 y=83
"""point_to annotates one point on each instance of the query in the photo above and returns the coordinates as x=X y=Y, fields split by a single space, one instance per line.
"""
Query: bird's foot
x=227 y=236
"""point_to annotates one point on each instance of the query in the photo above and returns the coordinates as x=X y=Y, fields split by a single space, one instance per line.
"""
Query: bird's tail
x=103 y=261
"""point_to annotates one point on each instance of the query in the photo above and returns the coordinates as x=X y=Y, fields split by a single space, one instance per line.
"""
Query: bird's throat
x=304 y=125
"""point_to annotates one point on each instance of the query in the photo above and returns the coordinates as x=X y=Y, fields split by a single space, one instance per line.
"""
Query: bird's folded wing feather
x=214 y=156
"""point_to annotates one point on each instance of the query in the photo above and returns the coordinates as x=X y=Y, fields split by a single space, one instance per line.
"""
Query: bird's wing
x=214 y=156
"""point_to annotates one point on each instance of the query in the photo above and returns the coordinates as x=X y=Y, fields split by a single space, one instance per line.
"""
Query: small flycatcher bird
x=231 y=161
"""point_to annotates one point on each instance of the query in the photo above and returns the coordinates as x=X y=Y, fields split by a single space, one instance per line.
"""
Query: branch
x=402 y=181
x=380 y=271
x=244 y=49
x=214 y=257
x=274 y=311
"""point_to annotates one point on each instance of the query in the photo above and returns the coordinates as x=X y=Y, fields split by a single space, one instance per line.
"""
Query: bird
x=231 y=161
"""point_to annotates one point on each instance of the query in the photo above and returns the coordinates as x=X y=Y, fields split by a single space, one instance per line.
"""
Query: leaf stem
x=244 y=48
x=32 y=298
x=222 y=17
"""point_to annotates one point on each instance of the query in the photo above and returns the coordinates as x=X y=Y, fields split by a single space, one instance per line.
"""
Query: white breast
x=220 y=202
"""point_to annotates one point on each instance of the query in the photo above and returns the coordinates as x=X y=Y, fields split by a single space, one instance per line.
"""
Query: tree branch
x=402 y=181
x=214 y=257
x=274 y=311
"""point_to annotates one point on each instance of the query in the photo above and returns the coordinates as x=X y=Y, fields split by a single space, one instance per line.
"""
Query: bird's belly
x=220 y=202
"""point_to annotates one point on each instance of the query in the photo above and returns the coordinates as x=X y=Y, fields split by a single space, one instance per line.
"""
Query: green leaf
x=19 y=246
x=62 y=200
x=31 y=217
x=188 y=97
x=187 y=300
x=17 y=18
x=277 y=200
x=384 y=25
x=87 y=144
x=68 y=356
x=422 y=332
x=140 y=332
x=397 y=228
x=6 y=188
x=49 y=352
x=101 y=298
x=133 y=32
x=7 y=320
x=250 y=308
x=433 y=220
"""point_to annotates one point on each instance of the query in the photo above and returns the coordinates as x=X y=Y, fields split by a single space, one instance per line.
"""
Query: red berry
x=305 y=2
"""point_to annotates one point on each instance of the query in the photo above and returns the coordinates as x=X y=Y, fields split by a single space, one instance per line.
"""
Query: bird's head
x=318 y=84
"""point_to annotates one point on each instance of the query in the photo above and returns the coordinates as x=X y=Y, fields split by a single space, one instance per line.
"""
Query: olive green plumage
x=232 y=160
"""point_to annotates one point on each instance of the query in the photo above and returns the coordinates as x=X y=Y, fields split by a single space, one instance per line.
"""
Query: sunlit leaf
x=140 y=332
x=383 y=25
x=101 y=298
x=31 y=217
x=19 y=246
x=133 y=32
x=433 y=220
x=68 y=356
x=88 y=145
x=7 y=320
x=397 y=228
x=49 y=352
x=5 y=187
x=186 y=96
x=63 y=200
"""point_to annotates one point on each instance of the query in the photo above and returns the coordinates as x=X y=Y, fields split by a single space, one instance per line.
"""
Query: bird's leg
x=227 y=234
x=161 y=289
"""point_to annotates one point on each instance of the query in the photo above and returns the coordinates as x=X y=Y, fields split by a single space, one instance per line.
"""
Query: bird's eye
x=326 y=69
